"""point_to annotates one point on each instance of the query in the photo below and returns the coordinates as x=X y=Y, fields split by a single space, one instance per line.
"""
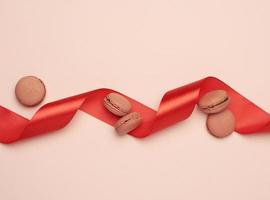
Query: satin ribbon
x=175 y=106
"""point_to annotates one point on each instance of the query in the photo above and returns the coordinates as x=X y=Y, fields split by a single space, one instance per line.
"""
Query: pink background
x=141 y=48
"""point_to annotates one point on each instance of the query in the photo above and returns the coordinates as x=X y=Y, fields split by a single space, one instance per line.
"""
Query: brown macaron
x=117 y=104
x=128 y=123
x=214 y=101
x=221 y=124
x=30 y=91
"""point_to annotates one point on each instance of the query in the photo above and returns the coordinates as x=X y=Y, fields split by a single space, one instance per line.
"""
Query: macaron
x=128 y=123
x=214 y=101
x=117 y=104
x=30 y=91
x=221 y=124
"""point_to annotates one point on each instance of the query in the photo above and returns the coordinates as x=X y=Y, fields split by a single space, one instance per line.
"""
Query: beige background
x=142 y=48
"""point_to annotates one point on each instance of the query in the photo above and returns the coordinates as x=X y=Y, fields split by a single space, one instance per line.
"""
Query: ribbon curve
x=176 y=105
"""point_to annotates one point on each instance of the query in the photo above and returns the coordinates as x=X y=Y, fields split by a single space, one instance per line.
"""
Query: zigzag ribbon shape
x=176 y=105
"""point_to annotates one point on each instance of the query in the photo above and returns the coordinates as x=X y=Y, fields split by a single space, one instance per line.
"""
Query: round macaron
x=117 y=104
x=214 y=101
x=128 y=123
x=221 y=124
x=30 y=91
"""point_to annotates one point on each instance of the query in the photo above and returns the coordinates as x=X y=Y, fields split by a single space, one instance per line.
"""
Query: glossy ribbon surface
x=175 y=106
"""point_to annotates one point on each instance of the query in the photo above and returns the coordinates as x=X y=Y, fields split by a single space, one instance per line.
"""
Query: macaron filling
x=219 y=104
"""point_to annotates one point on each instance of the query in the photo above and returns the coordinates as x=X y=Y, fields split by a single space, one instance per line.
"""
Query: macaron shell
x=117 y=104
x=128 y=123
x=221 y=124
x=30 y=91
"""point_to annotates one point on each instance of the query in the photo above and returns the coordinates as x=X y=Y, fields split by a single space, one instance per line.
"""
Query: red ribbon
x=175 y=106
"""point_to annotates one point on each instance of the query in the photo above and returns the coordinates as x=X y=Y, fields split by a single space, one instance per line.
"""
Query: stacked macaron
x=119 y=105
x=220 y=120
